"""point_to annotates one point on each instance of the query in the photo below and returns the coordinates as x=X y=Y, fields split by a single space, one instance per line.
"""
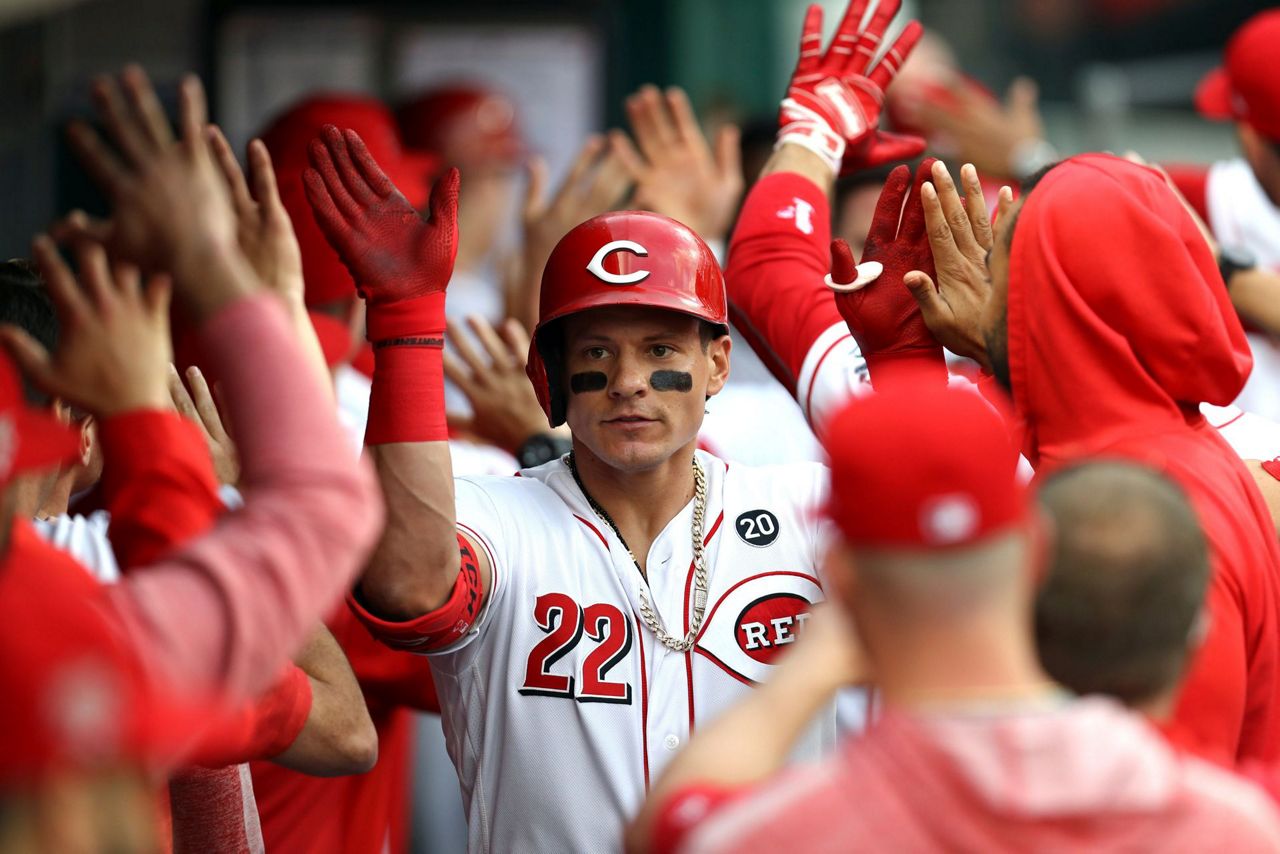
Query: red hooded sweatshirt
x=1119 y=326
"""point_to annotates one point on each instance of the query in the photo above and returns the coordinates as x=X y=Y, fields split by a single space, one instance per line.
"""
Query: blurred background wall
x=1115 y=74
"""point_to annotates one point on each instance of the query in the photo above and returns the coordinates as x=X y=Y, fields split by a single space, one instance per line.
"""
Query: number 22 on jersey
x=565 y=623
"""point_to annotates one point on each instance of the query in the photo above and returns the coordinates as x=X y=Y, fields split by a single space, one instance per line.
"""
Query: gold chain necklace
x=647 y=612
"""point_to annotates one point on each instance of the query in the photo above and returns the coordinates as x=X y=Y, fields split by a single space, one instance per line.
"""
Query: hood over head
x=1119 y=324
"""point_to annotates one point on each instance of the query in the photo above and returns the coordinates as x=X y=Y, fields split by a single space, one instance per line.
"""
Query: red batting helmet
x=621 y=258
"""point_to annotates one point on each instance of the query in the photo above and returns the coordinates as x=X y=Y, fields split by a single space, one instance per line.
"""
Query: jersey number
x=564 y=622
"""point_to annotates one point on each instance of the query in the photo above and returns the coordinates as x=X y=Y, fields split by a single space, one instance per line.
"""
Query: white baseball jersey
x=834 y=369
x=560 y=706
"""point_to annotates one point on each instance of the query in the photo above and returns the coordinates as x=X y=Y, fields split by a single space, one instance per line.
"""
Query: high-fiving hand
x=960 y=236
x=113 y=344
x=170 y=209
x=393 y=253
x=882 y=314
x=677 y=173
x=834 y=100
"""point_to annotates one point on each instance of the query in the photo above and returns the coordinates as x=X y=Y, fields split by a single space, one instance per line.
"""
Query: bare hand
x=960 y=236
x=679 y=175
x=198 y=407
x=114 y=339
x=598 y=181
x=970 y=125
x=263 y=228
x=170 y=209
x=506 y=410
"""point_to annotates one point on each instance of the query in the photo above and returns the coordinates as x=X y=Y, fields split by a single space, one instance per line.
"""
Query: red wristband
x=406 y=401
x=441 y=627
x=931 y=361
x=417 y=318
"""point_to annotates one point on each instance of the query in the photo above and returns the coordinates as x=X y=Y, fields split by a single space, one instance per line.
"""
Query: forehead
x=618 y=322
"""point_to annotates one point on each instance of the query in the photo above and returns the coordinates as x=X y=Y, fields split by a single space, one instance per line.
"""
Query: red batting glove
x=401 y=262
x=834 y=100
x=882 y=314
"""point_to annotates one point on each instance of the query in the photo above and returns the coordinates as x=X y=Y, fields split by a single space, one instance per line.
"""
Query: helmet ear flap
x=550 y=344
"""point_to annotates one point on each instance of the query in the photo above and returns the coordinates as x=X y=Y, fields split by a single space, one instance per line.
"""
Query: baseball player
x=585 y=617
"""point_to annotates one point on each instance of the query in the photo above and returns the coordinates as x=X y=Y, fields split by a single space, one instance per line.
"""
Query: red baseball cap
x=288 y=137
x=918 y=465
x=463 y=124
x=30 y=439
x=76 y=698
x=1246 y=87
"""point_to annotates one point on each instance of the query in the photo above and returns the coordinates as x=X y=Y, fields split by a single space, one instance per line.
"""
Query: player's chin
x=634 y=453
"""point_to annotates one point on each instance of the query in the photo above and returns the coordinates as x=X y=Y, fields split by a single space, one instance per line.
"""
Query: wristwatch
x=542 y=448
x=1234 y=259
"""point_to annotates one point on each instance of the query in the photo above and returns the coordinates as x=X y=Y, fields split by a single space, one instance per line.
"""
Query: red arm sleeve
x=158 y=484
x=778 y=257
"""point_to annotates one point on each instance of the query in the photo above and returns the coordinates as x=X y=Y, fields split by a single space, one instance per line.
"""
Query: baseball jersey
x=560 y=707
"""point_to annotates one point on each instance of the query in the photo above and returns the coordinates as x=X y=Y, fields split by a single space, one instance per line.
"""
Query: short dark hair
x=1126 y=583
x=708 y=332
x=25 y=303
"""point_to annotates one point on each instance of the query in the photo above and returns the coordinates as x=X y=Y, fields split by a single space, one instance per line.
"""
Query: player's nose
x=629 y=378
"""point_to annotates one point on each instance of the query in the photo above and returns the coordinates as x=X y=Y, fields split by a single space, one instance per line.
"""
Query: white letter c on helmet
x=596 y=267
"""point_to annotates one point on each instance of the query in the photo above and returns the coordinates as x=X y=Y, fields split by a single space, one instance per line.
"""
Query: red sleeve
x=779 y=255
x=387 y=677
x=682 y=811
x=158 y=484
x=261 y=729
x=1193 y=182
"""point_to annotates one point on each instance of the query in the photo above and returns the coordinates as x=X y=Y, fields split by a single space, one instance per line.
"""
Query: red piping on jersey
x=644 y=701
x=688 y=586
x=1229 y=423
x=594 y=530
x=716 y=606
x=718 y=663
x=808 y=397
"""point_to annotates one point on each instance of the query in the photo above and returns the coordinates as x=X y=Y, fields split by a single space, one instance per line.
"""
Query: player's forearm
x=803 y=162
x=229 y=606
x=1256 y=295
x=414 y=567
x=751 y=741
x=338 y=737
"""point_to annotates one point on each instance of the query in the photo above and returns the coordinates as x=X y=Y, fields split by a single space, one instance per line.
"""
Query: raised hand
x=197 y=406
x=679 y=174
x=598 y=181
x=263 y=228
x=113 y=345
x=834 y=100
x=170 y=209
x=1005 y=140
x=392 y=252
x=960 y=237
x=505 y=410
x=882 y=314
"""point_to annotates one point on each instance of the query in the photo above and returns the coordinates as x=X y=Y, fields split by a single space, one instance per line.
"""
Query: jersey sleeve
x=464 y=615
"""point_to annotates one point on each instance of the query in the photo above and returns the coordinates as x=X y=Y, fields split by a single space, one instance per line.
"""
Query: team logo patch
x=756 y=620
x=596 y=267
x=757 y=528
x=771 y=624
